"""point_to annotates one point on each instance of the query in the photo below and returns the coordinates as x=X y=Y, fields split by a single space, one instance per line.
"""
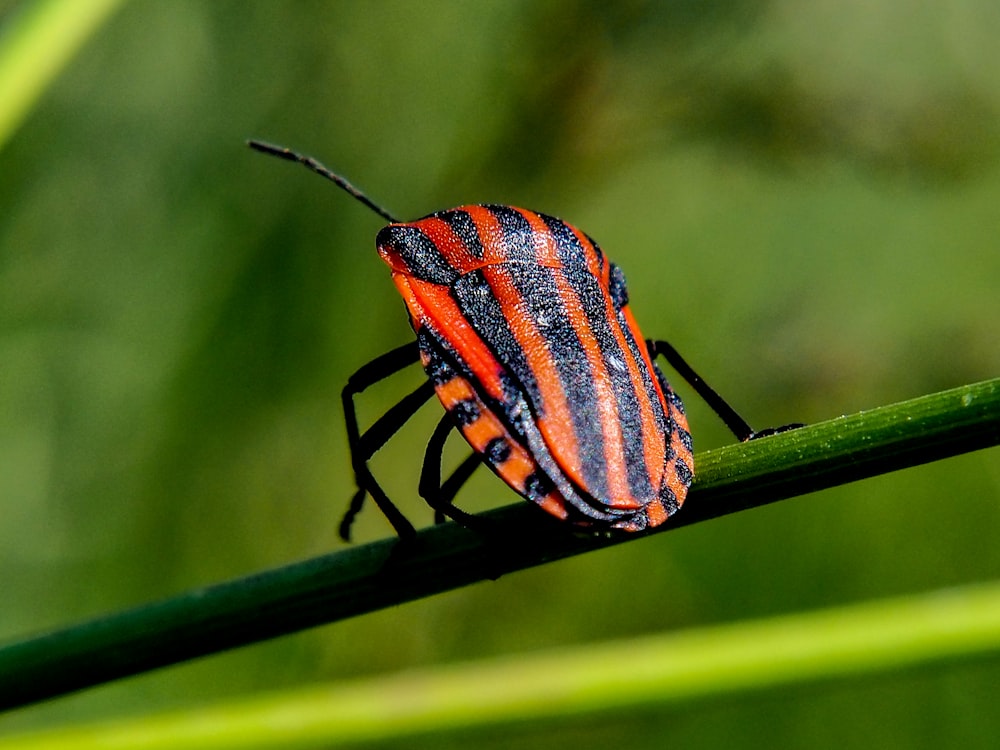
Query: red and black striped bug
x=524 y=330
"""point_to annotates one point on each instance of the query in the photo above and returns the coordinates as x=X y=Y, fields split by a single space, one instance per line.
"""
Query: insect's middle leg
x=440 y=495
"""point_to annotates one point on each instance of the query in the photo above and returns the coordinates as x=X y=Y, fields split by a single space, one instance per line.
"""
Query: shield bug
x=524 y=330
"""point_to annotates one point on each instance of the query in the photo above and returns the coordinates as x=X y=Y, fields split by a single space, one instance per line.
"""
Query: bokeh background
x=804 y=197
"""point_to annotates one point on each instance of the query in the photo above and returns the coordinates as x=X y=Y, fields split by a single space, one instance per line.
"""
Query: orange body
x=525 y=331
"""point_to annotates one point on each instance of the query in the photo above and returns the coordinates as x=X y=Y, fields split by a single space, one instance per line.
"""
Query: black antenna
x=307 y=161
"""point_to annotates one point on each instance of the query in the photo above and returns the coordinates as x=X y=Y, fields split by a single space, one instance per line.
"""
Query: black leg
x=737 y=425
x=440 y=496
x=364 y=446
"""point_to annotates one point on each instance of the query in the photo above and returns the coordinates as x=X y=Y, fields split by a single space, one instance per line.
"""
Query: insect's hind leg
x=736 y=424
x=440 y=495
x=364 y=446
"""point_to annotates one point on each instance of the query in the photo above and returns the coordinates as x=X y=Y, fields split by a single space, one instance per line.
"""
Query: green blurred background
x=804 y=196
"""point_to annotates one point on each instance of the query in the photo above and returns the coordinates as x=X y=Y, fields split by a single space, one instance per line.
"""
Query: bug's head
x=410 y=250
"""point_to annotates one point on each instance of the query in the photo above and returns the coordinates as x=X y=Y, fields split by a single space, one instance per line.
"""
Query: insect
x=524 y=330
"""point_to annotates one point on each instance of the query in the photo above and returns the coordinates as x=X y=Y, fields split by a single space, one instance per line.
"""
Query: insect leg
x=364 y=446
x=440 y=496
x=737 y=425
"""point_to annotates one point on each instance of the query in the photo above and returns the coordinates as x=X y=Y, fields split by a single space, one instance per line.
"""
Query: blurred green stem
x=35 y=45
x=373 y=576
x=614 y=678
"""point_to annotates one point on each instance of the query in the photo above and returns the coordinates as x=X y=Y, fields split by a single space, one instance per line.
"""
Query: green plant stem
x=369 y=577
x=675 y=667
x=35 y=47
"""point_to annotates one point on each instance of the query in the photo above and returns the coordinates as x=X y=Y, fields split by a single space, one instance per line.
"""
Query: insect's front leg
x=364 y=445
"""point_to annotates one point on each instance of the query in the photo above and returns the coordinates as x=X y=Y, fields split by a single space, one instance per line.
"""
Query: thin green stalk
x=373 y=576
x=659 y=670
x=36 y=45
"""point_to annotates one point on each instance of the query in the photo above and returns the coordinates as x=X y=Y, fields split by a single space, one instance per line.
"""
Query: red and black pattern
x=524 y=329
x=532 y=349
